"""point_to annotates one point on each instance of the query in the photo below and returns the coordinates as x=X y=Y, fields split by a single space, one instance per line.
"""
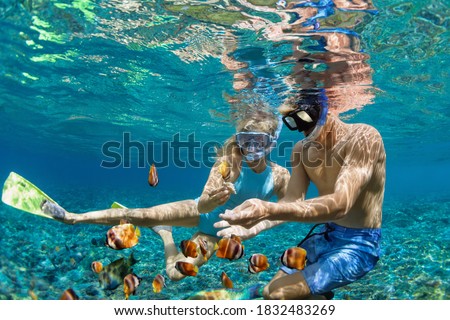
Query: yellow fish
x=123 y=236
x=158 y=283
x=32 y=294
x=153 y=179
x=294 y=258
x=225 y=169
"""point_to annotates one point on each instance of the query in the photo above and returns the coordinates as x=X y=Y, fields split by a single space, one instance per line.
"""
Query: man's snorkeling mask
x=306 y=117
x=257 y=144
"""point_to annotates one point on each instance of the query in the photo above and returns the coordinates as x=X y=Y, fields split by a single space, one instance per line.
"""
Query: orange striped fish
x=96 y=266
x=153 y=176
x=189 y=248
x=69 y=294
x=257 y=263
x=294 y=258
x=123 y=236
x=158 y=283
x=230 y=248
x=186 y=268
x=130 y=284
x=203 y=247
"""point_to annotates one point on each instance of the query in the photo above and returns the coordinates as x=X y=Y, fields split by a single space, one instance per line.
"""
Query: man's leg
x=285 y=286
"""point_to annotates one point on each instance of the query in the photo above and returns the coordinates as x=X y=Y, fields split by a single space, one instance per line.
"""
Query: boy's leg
x=180 y=213
x=172 y=256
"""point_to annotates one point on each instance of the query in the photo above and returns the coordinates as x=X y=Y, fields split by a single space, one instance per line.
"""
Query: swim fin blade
x=117 y=205
x=21 y=194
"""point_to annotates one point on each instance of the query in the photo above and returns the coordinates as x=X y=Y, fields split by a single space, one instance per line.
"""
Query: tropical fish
x=189 y=248
x=294 y=258
x=130 y=283
x=203 y=244
x=186 y=268
x=158 y=283
x=96 y=266
x=230 y=248
x=112 y=275
x=225 y=169
x=69 y=294
x=226 y=282
x=123 y=236
x=257 y=263
x=153 y=176
x=236 y=238
x=32 y=294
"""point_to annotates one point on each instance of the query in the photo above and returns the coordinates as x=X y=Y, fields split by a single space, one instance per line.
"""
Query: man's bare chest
x=322 y=167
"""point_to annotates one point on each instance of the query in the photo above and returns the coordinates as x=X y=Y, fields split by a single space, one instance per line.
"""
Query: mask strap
x=318 y=128
x=324 y=103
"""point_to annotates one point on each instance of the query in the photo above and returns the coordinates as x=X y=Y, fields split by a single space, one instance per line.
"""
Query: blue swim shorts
x=337 y=256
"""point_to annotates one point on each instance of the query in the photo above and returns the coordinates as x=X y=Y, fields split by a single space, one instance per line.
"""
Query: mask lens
x=303 y=115
x=302 y=119
x=252 y=140
x=290 y=122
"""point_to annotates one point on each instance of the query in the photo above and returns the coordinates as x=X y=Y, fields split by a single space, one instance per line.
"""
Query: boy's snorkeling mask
x=257 y=144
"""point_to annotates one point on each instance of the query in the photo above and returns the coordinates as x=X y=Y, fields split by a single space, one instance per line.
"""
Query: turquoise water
x=77 y=74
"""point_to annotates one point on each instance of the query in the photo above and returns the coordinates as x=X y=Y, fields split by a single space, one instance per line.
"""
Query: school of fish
x=126 y=235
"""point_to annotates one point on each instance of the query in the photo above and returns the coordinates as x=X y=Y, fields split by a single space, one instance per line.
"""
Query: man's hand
x=246 y=215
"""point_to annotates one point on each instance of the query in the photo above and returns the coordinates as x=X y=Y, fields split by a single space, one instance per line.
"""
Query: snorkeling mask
x=303 y=118
x=311 y=112
x=257 y=144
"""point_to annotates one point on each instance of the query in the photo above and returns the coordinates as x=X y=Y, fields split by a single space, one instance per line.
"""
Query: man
x=347 y=164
